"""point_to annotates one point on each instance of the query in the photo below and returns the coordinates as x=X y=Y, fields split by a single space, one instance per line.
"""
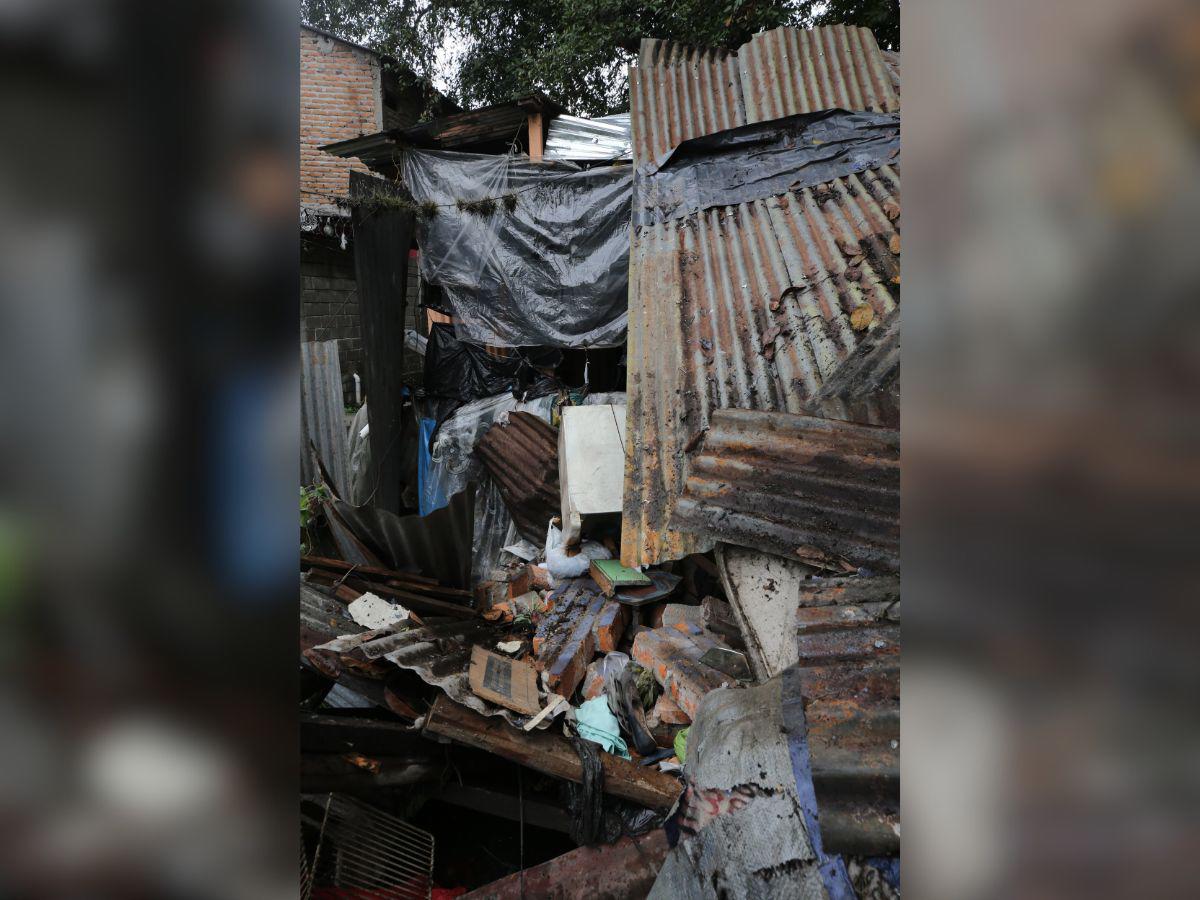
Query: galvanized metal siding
x=815 y=490
x=322 y=414
x=750 y=307
x=679 y=92
x=574 y=138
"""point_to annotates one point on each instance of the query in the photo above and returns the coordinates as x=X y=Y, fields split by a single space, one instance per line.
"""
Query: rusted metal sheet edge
x=822 y=491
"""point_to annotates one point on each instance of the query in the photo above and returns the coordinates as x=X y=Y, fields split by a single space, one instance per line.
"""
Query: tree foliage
x=577 y=51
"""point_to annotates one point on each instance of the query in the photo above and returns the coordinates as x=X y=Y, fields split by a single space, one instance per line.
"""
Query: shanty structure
x=691 y=627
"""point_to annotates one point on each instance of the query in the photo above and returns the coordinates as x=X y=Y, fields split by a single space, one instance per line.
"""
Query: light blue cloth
x=597 y=723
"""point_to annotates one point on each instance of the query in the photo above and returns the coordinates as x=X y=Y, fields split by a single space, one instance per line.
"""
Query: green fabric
x=597 y=723
x=681 y=744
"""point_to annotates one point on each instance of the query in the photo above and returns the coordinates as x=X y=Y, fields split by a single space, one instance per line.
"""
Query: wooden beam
x=427 y=605
x=549 y=753
x=419 y=583
x=626 y=868
x=537 y=138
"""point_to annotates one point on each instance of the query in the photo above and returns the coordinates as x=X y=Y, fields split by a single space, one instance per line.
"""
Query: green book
x=611 y=576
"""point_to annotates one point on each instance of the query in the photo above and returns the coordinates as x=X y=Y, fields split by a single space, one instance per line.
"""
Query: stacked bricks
x=340 y=98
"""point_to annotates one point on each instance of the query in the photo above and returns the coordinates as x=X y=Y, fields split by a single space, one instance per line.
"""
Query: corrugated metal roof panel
x=679 y=92
x=574 y=138
x=749 y=307
x=818 y=490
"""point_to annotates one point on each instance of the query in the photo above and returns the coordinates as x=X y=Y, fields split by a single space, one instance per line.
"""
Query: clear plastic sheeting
x=492 y=525
x=550 y=270
x=606 y=139
x=452 y=460
x=360 y=458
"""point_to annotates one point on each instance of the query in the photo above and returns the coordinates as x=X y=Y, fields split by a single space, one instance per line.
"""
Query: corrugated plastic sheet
x=748 y=306
x=820 y=491
x=322 y=416
x=521 y=455
x=679 y=92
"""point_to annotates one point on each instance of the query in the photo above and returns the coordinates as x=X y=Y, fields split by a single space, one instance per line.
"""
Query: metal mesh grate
x=364 y=852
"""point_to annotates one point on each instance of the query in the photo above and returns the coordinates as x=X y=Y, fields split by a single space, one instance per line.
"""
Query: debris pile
x=631 y=625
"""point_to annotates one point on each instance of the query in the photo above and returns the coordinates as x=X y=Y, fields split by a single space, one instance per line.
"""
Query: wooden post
x=537 y=138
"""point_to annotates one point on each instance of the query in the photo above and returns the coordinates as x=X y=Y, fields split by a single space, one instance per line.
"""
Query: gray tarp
x=552 y=271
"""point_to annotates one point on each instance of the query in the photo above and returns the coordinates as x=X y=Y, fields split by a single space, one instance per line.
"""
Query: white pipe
x=357 y=390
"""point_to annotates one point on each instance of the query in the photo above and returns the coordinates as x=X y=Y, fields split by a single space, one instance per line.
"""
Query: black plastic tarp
x=457 y=370
x=550 y=271
x=763 y=160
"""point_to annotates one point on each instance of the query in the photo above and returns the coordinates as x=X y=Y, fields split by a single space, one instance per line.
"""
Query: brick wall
x=340 y=98
x=329 y=303
x=329 y=307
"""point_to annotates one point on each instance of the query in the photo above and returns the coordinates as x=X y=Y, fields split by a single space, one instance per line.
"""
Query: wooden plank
x=549 y=753
x=626 y=868
x=418 y=602
x=537 y=139
x=382 y=238
x=417 y=582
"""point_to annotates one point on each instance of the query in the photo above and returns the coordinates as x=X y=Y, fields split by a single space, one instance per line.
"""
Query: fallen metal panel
x=521 y=454
x=591 y=140
x=440 y=652
x=438 y=545
x=679 y=92
x=821 y=491
x=322 y=414
x=748 y=306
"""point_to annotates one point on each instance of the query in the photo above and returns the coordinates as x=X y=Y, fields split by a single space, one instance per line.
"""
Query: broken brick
x=610 y=625
x=668 y=712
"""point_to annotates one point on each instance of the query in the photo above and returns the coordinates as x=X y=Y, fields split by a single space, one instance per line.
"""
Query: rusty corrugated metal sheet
x=838 y=642
x=521 y=455
x=747 y=306
x=866 y=387
x=821 y=491
x=679 y=92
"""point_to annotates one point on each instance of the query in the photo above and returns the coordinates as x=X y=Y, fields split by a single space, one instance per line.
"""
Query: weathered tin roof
x=750 y=306
x=747 y=306
x=821 y=491
x=679 y=92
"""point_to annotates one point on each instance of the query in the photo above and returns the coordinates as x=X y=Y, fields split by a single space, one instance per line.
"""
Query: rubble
x=681 y=600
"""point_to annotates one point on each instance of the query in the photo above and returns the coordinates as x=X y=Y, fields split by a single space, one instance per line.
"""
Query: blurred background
x=1050 y=477
x=148 y=295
